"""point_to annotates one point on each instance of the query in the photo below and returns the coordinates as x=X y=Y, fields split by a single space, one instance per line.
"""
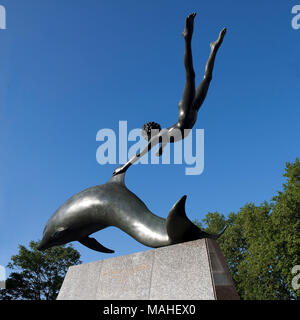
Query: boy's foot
x=189 y=26
x=217 y=44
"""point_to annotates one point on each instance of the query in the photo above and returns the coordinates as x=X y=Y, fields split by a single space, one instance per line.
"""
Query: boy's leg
x=189 y=87
x=202 y=89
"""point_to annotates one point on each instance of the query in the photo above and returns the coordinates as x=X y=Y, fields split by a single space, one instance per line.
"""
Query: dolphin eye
x=56 y=235
x=59 y=234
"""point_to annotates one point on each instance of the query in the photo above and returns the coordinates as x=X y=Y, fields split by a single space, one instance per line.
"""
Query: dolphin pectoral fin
x=180 y=228
x=93 y=244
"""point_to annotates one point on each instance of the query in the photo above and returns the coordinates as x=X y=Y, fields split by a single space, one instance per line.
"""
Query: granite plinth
x=194 y=270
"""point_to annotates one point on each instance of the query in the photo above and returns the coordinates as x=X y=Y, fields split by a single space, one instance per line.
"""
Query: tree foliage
x=38 y=275
x=261 y=244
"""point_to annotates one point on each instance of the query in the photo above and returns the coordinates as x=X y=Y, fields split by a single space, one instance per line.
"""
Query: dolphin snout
x=43 y=245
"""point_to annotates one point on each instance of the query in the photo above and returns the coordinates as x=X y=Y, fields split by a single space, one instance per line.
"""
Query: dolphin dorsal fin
x=179 y=227
x=118 y=178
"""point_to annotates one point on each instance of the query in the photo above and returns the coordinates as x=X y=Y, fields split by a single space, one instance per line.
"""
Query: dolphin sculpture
x=112 y=204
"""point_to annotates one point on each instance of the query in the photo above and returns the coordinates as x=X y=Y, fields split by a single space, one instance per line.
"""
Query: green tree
x=261 y=244
x=285 y=219
x=38 y=275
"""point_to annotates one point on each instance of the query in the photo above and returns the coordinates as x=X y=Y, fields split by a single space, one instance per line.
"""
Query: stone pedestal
x=194 y=270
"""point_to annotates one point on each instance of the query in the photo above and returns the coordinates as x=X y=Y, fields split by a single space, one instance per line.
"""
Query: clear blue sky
x=70 y=68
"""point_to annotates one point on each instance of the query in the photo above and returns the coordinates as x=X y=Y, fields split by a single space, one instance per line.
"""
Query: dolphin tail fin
x=181 y=229
x=93 y=244
x=221 y=232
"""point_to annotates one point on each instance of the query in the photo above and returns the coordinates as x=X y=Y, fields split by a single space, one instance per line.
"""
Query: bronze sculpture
x=112 y=204
x=192 y=99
